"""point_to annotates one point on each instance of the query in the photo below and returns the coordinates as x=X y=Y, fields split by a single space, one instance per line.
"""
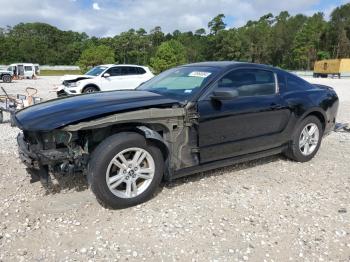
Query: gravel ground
x=272 y=209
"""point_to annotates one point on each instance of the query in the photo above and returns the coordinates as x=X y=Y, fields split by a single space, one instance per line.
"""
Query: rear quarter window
x=141 y=71
x=293 y=83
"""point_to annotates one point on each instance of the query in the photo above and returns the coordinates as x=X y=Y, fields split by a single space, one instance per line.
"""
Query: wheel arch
x=149 y=133
x=154 y=137
x=90 y=85
x=317 y=113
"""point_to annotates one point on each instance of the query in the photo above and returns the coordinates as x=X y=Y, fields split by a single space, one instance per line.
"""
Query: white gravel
x=272 y=209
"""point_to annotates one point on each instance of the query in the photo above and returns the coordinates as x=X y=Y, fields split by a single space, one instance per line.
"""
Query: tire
x=90 y=89
x=6 y=78
x=301 y=154
x=100 y=169
x=1 y=117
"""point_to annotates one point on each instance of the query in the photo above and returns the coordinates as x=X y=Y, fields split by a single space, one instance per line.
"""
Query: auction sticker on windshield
x=200 y=74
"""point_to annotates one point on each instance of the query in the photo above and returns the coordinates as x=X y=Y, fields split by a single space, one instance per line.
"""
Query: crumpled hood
x=60 y=112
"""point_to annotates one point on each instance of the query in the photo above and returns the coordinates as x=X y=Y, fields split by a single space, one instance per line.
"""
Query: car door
x=131 y=77
x=20 y=69
x=251 y=122
x=110 y=80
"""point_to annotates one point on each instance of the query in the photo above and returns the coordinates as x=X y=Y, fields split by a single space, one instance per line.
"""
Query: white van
x=25 y=70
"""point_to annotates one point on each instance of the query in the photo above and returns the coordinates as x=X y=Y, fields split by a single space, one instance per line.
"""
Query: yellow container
x=324 y=68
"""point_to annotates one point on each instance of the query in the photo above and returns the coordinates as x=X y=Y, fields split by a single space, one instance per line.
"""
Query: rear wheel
x=6 y=78
x=306 y=140
x=90 y=89
x=124 y=170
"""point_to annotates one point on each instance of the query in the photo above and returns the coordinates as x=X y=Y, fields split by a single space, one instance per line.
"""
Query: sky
x=110 y=17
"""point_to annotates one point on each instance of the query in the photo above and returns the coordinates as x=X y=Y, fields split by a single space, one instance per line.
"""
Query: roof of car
x=109 y=65
x=224 y=64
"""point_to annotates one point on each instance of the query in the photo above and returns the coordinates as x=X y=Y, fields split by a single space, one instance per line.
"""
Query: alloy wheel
x=130 y=172
x=308 y=139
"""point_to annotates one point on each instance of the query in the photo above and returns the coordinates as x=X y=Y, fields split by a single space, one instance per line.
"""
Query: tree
x=339 y=32
x=217 y=24
x=258 y=35
x=200 y=32
x=307 y=41
x=229 y=45
x=288 y=41
x=169 y=54
x=95 y=55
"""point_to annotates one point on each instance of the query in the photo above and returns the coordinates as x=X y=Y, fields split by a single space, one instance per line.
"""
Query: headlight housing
x=73 y=84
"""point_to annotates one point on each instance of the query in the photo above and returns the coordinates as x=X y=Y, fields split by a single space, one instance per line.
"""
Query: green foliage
x=169 y=54
x=292 y=42
x=40 y=43
x=95 y=55
x=339 y=32
x=217 y=24
x=307 y=41
x=59 y=72
x=322 y=55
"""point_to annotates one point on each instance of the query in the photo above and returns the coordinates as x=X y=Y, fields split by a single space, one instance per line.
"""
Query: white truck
x=24 y=70
x=105 y=78
x=6 y=75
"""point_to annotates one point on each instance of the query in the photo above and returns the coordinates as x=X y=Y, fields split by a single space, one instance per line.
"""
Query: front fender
x=154 y=136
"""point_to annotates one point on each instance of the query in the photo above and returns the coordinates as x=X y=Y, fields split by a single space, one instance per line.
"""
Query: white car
x=105 y=78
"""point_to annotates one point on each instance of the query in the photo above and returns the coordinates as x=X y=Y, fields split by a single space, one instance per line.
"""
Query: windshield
x=96 y=71
x=180 y=83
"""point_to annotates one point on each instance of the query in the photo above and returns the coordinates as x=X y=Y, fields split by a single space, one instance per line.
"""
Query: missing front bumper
x=35 y=158
x=30 y=159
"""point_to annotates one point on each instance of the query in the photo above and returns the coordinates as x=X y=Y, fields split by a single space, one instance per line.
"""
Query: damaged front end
x=67 y=150
x=56 y=151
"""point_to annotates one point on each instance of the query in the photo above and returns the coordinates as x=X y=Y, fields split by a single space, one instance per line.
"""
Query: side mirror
x=225 y=94
x=106 y=75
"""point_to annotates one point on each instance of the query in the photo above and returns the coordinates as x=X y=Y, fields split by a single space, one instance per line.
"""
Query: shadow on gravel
x=220 y=171
x=58 y=183
x=78 y=181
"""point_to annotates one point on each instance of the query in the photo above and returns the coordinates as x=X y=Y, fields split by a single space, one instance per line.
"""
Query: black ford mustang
x=188 y=119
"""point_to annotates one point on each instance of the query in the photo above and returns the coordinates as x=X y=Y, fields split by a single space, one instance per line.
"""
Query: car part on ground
x=170 y=121
x=339 y=127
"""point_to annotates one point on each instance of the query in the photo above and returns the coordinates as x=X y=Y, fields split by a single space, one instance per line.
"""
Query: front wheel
x=7 y=79
x=90 y=89
x=125 y=170
x=306 y=140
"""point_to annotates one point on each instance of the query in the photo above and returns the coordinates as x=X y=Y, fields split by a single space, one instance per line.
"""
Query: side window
x=140 y=70
x=132 y=71
x=28 y=68
x=249 y=82
x=124 y=70
x=295 y=83
x=114 y=71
